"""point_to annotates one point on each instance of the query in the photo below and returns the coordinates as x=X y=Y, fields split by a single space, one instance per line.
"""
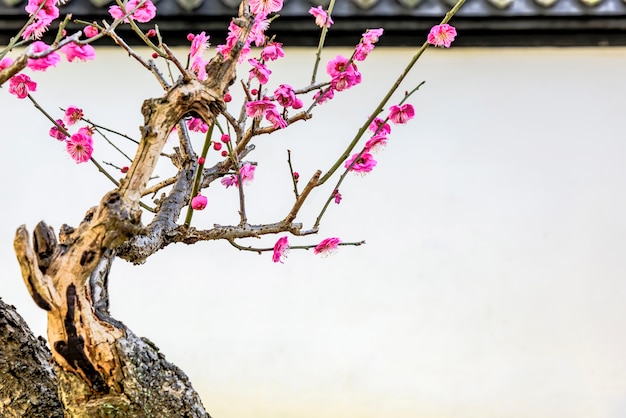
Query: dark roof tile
x=481 y=22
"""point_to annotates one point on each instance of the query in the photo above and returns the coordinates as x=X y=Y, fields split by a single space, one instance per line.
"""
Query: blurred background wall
x=493 y=279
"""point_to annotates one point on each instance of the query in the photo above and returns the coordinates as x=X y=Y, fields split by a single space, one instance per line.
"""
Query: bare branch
x=149 y=65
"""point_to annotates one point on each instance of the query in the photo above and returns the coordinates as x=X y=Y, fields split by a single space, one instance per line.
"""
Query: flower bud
x=199 y=202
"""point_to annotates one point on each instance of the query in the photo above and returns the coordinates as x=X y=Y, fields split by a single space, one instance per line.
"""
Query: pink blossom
x=20 y=85
x=345 y=80
x=280 y=249
x=325 y=95
x=265 y=7
x=379 y=126
x=42 y=64
x=257 y=32
x=284 y=95
x=36 y=29
x=259 y=71
x=198 y=67
x=5 y=62
x=225 y=138
x=116 y=12
x=343 y=75
x=364 y=164
x=275 y=118
x=327 y=246
x=199 y=202
x=43 y=17
x=144 y=13
x=72 y=115
x=232 y=38
x=81 y=52
x=48 y=12
x=90 y=31
x=442 y=35
x=247 y=172
x=362 y=50
x=376 y=143
x=297 y=104
x=258 y=108
x=272 y=51
x=321 y=17
x=80 y=147
x=247 y=175
x=371 y=36
x=197 y=125
x=337 y=196
x=229 y=181
x=86 y=130
x=199 y=44
x=57 y=133
x=401 y=114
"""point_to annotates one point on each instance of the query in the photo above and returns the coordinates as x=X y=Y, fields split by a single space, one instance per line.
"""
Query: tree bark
x=28 y=386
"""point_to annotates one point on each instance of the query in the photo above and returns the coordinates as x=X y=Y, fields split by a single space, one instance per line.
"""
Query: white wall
x=492 y=282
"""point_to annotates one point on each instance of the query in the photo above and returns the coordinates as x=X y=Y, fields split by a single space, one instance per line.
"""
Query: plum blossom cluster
x=78 y=145
x=199 y=44
x=246 y=172
x=261 y=9
x=364 y=162
x=21 y=84
x=140 y=10
x=44 y=13
x=343 y=72
x=325 y=248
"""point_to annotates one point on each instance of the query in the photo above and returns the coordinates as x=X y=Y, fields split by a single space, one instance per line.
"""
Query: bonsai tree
x=99 y=366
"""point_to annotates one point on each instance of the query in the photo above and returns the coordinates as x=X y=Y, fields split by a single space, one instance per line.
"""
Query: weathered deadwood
x=81 y=341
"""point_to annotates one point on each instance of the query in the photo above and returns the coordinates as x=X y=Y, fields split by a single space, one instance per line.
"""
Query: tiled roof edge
x=480 y=22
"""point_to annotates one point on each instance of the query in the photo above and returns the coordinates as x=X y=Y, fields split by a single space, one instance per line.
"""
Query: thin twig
x=293 y=177
x=320 y=46
x=155 y=188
